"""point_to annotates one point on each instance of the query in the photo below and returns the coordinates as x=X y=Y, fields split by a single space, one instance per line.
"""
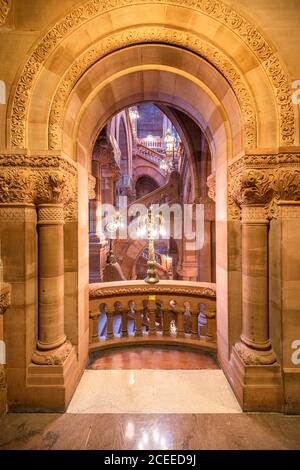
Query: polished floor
x=153 y=358
x=185 y=405
x=154 y=431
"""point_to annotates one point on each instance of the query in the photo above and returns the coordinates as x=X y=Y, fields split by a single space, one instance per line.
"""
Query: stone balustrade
x=170 y=312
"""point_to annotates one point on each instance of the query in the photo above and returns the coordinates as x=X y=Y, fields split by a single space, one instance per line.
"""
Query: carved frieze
x=216 y=9
x=4 y=10
x=39 y=179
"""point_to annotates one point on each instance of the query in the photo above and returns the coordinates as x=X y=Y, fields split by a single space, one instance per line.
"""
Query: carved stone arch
x=155 y=34
x=224 y=14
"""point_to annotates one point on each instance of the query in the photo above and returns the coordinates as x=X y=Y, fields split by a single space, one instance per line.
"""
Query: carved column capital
x=35 y=179
x=252 y=188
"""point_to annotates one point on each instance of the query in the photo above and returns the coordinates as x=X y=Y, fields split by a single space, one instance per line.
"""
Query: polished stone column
x=52 y=346
x=255 y=345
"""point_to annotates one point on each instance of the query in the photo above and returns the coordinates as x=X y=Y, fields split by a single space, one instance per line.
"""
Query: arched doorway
x=162 y=61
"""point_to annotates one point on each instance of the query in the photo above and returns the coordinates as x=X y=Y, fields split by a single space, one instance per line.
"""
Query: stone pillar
x=52 y=346
x=4 y=304
x=256 y=374
x=110 y=173
x=255 y=346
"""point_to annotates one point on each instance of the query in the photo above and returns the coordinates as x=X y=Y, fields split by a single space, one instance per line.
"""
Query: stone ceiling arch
x=226 y=30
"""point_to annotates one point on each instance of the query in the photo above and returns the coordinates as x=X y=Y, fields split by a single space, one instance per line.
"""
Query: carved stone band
x=50 y=214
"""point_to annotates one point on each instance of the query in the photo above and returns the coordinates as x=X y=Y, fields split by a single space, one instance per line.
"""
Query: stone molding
x=18 y=212
x=5 y=291
x=27 y=179
x=4 y=10
x=97 y=291
x=216 y=9
x=265 y=181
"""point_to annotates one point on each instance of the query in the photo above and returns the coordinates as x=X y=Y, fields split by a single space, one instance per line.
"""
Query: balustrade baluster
x=195 y=315
x=94 y=324
x=166 y=320
x=124 y=314
x=152 y=315
x=139 y=311
x=179 y=326
x=211 y=325
x=110 y=322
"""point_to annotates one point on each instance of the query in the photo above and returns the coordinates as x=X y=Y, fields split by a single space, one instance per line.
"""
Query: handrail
x=169 y=312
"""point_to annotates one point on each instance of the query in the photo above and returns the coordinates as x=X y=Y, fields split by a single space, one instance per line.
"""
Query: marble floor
x=186 y=404
x=153 y=391
x=237 y=431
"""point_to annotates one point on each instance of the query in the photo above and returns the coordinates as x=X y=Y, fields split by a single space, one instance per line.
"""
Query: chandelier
x=152 y=225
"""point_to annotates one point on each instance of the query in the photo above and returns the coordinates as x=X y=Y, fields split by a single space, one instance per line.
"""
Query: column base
x=257 y=385
x=53 y=356
x=253 y=356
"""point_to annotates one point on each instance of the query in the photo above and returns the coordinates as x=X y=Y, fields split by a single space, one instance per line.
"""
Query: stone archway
x=242 y=114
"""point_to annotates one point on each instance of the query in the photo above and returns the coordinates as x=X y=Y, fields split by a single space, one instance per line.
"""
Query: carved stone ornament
x=39 y=179
x=4 y=298
x=4 y=10
x=91 y=186
x=216 y=9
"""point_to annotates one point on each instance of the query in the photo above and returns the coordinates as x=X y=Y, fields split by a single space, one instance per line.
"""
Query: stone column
x=255 y=346
x=52 y=346
x=256 y=374
x=4 y=304
x=109 y=175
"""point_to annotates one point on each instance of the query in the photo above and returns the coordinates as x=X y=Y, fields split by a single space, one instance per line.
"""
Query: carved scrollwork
x=216 y=9
x=91 y=186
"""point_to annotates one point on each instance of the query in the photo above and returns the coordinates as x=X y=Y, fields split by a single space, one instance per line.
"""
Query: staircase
x=128 y=250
